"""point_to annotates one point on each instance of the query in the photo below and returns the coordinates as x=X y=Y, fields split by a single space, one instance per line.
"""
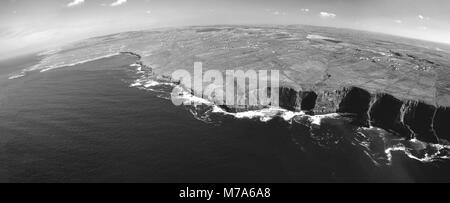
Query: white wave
x=59 y=65
x=420 y=151
x=289 y=115
x=16 y=76
x=138 y=69
x=371 y=128
x=317 y=119
x=264 y=115
x=189 y=99
x=76 y=63
x=151 y=83
x=426 y=158
x=147 y=83
x=136 y=84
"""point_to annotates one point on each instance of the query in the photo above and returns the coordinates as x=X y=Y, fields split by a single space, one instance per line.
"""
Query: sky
x=31 y=25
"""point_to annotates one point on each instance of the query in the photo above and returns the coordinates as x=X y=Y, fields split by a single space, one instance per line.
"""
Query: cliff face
x=292 y=100
x=408 y=119
x=441 y=124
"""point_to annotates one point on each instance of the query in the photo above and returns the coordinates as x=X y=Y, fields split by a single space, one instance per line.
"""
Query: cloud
x=327 y=15
x=119 y=2
x=398 y=21
x=421 y=17
x=75 y=3
x=277 y=13
x=304 y=10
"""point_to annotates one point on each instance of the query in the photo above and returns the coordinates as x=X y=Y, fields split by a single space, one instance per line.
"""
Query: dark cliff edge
x=407 y=119
x=139 y=57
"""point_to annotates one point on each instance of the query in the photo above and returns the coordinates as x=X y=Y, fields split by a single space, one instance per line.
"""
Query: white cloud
x=119 y=2
x=304 y=10
x=421 y=17
x=327 y=15
x=75 y=3
x=398 y=21
x=277 y=13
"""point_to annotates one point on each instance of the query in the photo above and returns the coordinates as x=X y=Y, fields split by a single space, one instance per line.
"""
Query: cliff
x=411 y=119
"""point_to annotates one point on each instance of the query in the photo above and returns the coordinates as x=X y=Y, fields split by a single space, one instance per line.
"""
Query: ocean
x=108 y=120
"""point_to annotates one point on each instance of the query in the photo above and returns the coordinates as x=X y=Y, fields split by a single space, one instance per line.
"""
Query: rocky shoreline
x=409 y=119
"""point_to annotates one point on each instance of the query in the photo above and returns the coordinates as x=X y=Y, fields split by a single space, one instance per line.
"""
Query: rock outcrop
x=410 y=119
